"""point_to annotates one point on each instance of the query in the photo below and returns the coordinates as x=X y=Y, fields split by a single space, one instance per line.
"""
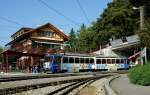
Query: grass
x=140 y=74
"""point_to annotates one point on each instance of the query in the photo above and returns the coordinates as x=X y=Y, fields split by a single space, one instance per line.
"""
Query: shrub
x=140 y=75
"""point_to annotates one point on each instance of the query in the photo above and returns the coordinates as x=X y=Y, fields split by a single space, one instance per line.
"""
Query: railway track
x=69 y=88
x=17 y=78
x=8 y=79
x=74 y=84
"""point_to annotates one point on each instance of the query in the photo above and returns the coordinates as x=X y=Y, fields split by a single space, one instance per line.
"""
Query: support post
x=145 y=54
x=5 y=61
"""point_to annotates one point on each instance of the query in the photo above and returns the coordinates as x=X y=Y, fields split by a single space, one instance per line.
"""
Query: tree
x=119 y=19
x=138 y=3
x=72 y=40
x=145 y=36
x=145 y=3
x=85 y=39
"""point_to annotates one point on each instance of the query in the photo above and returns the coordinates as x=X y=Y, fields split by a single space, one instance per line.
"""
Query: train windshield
x=48 y=59
x=47 y=62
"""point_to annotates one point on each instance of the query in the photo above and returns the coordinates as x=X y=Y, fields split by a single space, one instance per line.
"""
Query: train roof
x=71 y=54
x=77 y=54
x=83 y=55
x=103 y=56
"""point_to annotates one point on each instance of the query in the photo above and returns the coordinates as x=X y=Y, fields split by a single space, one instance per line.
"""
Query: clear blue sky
x=32 y=13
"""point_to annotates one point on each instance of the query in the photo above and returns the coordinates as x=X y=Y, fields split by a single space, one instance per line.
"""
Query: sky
x=64 y=14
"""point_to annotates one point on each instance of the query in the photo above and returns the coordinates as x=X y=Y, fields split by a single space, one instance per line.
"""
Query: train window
x=48 y=59
x=71 y=60
x=86 y=60
x=113 y=61
x=125 y=61
x=98 y=61
x=103 y=61
x=108 y=61
x=91 y=60
x=82 y=60
x=65 y=60
x=117 y=61
x=122 y=60
x=76 y=60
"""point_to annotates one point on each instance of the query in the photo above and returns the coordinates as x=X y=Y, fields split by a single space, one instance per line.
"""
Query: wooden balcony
x=19 y=47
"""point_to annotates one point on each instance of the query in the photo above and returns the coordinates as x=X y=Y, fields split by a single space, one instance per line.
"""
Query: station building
x=29 y=45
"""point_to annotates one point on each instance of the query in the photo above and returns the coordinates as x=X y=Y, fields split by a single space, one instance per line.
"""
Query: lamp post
x=141 y=8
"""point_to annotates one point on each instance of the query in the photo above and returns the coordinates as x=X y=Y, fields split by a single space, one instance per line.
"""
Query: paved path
x=123 y=86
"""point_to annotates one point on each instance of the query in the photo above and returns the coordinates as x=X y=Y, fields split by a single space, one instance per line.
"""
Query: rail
x=69 y=88
x=8 y=79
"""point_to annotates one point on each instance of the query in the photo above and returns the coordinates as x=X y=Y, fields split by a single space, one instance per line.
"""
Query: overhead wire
x=82 y=9
x=11 y=21
x=58 y=12
x=51 y=8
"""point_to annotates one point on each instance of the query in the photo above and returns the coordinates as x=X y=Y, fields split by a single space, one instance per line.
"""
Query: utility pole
x=141 y=9
x=142 y=28
x=141 y=17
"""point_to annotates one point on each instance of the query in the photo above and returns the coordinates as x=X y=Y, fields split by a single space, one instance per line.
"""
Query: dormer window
x=124 y=39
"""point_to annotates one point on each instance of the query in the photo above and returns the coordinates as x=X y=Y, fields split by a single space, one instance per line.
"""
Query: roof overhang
x=126 y=46
x=15 y=53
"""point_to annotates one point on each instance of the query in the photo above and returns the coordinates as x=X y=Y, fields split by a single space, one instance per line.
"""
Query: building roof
x=23 y=28
x=130 y=41
x=47 y=24
x=58 y=31
x=29 y=30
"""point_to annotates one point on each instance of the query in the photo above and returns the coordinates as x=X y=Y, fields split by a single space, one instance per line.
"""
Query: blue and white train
x=80 y=63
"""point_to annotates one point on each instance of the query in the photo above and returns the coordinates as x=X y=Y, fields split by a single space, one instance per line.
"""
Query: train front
x=53 y=63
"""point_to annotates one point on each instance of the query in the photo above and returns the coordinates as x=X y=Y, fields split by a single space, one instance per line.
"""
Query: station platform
x=19 y=74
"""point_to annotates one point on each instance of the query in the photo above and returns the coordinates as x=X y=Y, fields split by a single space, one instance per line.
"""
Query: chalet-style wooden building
x=29 y=45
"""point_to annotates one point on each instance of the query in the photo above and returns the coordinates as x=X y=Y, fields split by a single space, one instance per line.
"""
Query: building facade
x=29 y=45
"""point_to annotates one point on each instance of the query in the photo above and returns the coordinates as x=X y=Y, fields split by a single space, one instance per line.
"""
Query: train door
x=111 y=64
x=57 y=63
x=126 y=64
x=98 y=64
x=64 y=64
x=77 y=64
x=70 y=64
x=82 y=64
x=91 y=64
x=104 y=64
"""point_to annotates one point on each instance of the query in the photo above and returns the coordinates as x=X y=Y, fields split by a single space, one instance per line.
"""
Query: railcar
x=81 y=63
x=110 y=63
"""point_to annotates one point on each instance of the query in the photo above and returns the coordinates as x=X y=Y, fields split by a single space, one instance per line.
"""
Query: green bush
x=140 y=75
